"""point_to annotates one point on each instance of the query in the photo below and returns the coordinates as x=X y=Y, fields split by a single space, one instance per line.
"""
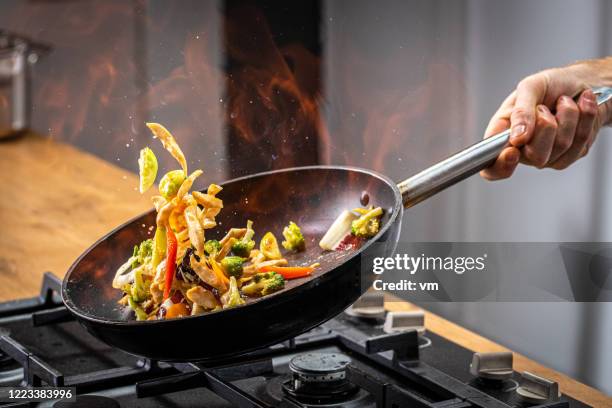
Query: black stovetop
x=41 y=345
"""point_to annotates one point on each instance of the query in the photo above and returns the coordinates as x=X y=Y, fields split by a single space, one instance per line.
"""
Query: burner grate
x=391 y=370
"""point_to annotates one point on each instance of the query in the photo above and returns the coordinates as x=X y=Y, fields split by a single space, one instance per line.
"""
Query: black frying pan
x=310 y=196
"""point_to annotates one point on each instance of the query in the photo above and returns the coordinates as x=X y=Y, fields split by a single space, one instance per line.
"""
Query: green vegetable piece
x=171 y=182
x=212 y=247
x=147 y=169
x=263 y=284
x=140 y=288
x=368 y=224
x=142 y=253
x=140 y=313
x=243 y=249
x=246 y=244
x=159 y=247
x=232 y=266
x=232 y=297
x=294 y=240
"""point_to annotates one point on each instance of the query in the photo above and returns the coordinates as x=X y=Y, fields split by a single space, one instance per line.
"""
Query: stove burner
x=320 y=377
x=88 y=401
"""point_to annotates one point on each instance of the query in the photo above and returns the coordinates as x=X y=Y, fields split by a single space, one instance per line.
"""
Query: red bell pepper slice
x=171 y=248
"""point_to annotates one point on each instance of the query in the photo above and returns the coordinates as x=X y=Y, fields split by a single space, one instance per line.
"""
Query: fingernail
x=517 y=131
x=514 y=157
x=588 y=96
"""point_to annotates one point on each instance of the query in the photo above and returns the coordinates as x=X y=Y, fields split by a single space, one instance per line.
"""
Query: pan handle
x=464 y=163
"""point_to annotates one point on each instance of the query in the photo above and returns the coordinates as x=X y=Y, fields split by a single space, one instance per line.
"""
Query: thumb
x=529 y=93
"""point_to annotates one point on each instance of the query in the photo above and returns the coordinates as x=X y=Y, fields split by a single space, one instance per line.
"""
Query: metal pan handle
x=464 y=163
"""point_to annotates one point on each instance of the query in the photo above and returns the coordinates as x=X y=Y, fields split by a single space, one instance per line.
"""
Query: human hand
x=550 y=128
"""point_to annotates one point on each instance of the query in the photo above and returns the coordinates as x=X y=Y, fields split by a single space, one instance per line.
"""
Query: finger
x=537 y=151
x=504 y=165
x=529 y=93
x=588 y=111
x=501 y=119
x=567 y=120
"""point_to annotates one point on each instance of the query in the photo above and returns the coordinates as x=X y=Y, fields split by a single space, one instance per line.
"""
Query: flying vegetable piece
x=263 y=284
x=147 y=169
x=169 y=143
x=232 y=297
x=232 y=266
x=368 y=224
x=212 y=246
x=142 y=253
x=171 y=182
x=269 y=246
x=294 y=240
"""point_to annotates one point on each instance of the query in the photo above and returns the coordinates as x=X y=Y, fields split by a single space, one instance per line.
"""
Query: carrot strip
x=289 y=272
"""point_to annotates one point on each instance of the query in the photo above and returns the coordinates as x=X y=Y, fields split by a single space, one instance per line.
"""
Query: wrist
x=592 y=74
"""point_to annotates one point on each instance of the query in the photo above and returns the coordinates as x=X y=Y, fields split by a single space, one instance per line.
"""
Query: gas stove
x=366 y=357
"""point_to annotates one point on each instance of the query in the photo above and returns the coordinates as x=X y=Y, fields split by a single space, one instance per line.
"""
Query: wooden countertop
x=58 y=200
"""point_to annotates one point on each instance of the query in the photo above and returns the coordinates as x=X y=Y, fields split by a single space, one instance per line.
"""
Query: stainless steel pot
x=16 y=55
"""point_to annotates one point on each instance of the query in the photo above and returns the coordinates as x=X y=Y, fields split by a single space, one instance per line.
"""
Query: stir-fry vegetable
x=170 y=184
x=186 y=268
x=232 y=297
x=147 y=169
x=232 y=266
x=262 y=284
x=368 y=224
x=350 y=230
x=142 y=253
x=170 y=261
x=212 y=247
x=289 y=272
x=177 y=310
x=294 y=240
x=269 y=247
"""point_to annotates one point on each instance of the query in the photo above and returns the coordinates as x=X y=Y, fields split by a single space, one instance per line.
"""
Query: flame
x=273 y=110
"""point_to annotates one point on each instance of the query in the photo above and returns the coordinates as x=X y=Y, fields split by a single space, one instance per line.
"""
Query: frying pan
x=310 y=196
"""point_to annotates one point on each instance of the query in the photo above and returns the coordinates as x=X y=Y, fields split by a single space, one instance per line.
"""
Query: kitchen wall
x=481 y=49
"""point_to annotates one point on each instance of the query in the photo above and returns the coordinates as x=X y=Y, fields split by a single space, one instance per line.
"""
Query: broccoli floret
x=294 y=240
x=241 y=248
x=232 y=297
x=232 y=266
x=368 y=224
x=246 y=244
x=263 y=284
x=212 y=246
x=142 y=253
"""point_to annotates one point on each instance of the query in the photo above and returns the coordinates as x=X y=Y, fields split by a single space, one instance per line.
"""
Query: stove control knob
x=369 y=306
x=404 y=321
x=536 y=390
x=492 y=366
